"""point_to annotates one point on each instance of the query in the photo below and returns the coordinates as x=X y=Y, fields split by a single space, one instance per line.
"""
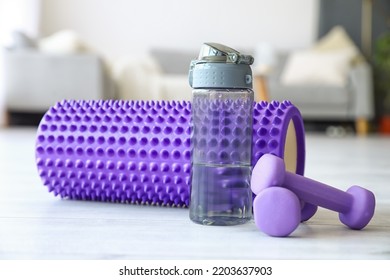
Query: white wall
x=121 y=27
x=20 y=15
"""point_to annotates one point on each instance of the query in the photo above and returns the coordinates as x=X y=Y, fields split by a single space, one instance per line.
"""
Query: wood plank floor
x=36 y=225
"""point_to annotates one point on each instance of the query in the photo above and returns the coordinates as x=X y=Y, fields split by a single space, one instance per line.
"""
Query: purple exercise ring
x=275 y=125
x=278 y=126
x=140 y=151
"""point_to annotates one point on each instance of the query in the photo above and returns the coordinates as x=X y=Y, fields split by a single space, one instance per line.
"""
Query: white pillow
x=63 y=42
x=336 y=39
x=318 y=68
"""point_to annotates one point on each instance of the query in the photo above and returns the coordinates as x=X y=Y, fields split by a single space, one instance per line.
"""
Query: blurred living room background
x=330 y=58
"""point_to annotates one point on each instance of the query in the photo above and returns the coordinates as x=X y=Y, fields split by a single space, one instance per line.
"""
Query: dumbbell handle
x=318 y=193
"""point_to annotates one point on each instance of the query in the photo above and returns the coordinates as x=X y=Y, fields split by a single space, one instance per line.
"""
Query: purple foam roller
x=137 y=152
x=140 y=151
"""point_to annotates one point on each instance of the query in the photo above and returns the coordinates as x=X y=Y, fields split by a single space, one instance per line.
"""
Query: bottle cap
x=219 y=66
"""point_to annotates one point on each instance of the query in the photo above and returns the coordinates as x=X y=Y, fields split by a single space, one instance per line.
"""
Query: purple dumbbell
x=356 y=206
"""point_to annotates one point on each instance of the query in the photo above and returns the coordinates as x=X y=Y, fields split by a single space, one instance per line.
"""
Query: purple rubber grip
x=139 y=151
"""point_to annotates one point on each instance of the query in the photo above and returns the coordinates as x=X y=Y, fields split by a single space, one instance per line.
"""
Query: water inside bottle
x=220 y=194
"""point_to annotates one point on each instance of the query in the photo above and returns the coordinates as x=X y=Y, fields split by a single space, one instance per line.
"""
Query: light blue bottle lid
x=219 y=66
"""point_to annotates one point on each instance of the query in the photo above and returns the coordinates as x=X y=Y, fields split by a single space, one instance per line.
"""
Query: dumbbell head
x=268 y=171
x=308 y=210
x=361 y=210
x=277 y=211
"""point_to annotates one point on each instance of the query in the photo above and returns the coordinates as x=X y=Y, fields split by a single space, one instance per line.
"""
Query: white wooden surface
x=36 y=225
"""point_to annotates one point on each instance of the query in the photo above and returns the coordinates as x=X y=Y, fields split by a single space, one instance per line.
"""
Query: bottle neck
x=221 y=76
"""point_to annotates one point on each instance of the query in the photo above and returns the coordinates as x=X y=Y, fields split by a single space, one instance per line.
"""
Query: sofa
x=38 y=72
x=35 y=80
x=159 y=74
x=352 y=101
x=162 y=74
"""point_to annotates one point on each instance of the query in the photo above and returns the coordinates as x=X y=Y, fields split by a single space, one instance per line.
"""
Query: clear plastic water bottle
x=222 y=109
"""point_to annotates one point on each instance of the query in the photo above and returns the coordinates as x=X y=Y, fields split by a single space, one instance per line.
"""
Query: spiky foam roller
x=140 y=151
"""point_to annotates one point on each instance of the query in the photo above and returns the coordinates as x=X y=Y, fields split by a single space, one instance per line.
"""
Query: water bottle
x=222 y=109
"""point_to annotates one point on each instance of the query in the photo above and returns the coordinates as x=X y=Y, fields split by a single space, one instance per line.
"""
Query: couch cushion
x=315 y=101
x=173 y=61
x=337 y=38
x=317 y=68
x=22 y=41
x=36 y=81
x=312 y=94
x=175 y=87
x=64 y=42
